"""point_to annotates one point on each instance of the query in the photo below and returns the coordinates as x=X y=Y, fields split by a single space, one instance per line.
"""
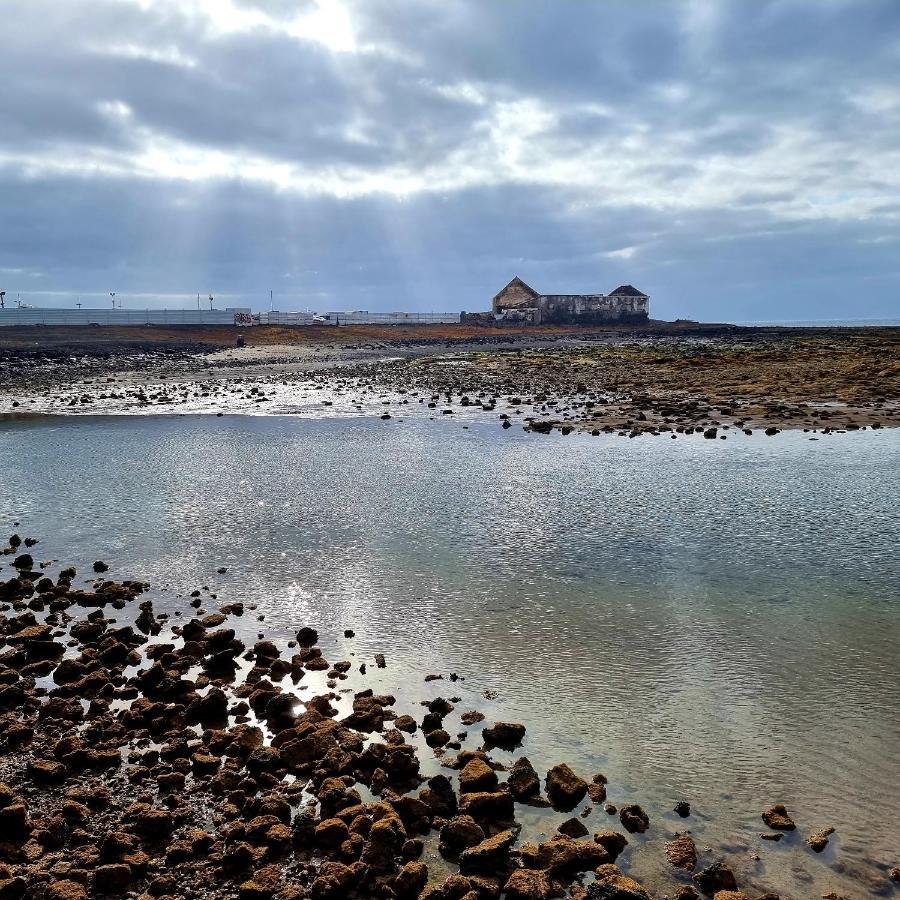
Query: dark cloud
x=735 y=160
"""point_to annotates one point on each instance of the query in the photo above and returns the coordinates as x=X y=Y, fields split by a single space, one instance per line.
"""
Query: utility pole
x=271 y=301
x=198 y=301
x=2 y=299
x=210 y=302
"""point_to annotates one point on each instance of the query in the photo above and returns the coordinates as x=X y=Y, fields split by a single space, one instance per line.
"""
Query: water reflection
x=696 y=619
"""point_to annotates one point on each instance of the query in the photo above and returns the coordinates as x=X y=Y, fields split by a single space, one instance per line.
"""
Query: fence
x=241 y=316
x=354 y=317
x=39 y=316
x=357 y=317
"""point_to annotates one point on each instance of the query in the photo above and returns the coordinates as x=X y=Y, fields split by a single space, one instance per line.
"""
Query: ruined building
x=518 y=302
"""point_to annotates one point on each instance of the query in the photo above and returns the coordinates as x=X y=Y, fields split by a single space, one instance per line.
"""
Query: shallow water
x=715 y=621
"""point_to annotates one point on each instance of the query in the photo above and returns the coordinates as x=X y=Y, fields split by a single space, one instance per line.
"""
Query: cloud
x=413 y=153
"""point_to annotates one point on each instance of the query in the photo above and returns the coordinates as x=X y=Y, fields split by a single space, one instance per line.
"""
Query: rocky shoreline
x=155 y=755
x=717 y=383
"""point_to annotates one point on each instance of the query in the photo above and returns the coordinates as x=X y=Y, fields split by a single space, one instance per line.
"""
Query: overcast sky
x=735 y=159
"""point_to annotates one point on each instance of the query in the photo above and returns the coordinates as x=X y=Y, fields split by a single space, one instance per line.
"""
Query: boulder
x=523 y=781
x=611 y=841
x=460 y=832
x=112 y=877
x=563 y=854
x=488 y=806
x=410 y=880
x=489 y=855
x=681 y=852
x=530 y=884
x=565 y=789
x=634 y=818
x=616 y=887
x=717 y=877
x=66 y=890
x=505 y=735
x=307 y=637
x=573 y=828
x=777 y=817
x=818 y=840
x=477 y=775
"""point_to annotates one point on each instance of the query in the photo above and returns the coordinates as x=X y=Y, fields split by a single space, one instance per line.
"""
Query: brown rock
x=523 y=781
x=616 y=887
x=717 y=877
x=687 y=892
x=489 y=855
x=437 y=738
x=634 y=818
x=504 y=734
x=777 y=817
x=564 y=788
x=818 y=840
x=66 y=890
x=460 y=832
x=112 y=878
x=410 y=880
x=331 y=833
x=573 y=828
x=681 y=852
x=530 y=884
x=488 y=806
x=611 y=841
x=46 y=771
x=562 y=854
x=477 y=775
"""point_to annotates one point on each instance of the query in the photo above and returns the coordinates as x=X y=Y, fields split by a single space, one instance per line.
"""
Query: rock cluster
x=162 y=760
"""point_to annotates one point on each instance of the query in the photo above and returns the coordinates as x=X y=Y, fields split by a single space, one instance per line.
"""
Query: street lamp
x=210 y=302
x=112 y=295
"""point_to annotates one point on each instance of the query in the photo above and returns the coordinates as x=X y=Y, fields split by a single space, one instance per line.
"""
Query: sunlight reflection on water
x=699 y=620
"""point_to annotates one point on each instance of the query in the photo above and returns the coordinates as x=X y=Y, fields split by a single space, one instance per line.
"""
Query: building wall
x=590 y=308
x=514 y=296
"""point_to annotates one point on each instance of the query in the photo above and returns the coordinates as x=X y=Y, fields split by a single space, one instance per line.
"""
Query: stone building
x=519 y=302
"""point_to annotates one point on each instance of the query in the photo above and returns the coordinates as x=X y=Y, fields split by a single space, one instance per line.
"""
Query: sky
x=734 y=159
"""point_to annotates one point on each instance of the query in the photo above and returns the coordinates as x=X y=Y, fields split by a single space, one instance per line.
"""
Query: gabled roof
x=627 y=290
x=517 y=282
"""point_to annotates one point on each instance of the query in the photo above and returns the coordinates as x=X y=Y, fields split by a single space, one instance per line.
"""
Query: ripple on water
x=715 y=623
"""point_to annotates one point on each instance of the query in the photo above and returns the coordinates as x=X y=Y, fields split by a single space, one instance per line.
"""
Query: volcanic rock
x=505 y=735
x=717 y=877
x=528 y=884
x=777 y=817
x=523 y=781
x=681 y=852
x=565 y=789
x=818 y=840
